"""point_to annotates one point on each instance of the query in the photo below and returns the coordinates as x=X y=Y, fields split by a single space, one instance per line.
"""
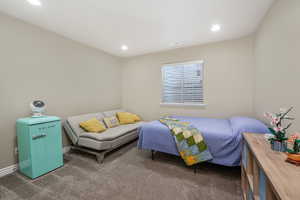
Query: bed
x=222 y=136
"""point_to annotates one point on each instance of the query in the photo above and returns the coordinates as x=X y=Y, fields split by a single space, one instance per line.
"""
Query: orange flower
x=294 y=137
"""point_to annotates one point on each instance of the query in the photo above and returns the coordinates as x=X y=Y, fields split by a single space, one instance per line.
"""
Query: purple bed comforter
x=222 y=136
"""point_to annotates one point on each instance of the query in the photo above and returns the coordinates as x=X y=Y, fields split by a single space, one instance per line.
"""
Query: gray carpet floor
x=127 y=174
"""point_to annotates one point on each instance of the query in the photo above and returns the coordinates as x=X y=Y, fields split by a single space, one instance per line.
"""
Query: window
x=182 y=83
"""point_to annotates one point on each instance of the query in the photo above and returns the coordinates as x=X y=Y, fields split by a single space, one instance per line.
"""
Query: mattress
x=222 y=136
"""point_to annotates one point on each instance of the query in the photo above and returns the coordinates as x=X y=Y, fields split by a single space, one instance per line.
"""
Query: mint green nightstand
x=39 y=145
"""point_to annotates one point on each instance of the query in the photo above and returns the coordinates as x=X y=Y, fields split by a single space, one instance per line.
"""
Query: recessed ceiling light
x=35 y=2
x=215 y=27
x=124 y=47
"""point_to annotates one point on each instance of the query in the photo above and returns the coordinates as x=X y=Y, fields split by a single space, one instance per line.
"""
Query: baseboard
x=8 y=170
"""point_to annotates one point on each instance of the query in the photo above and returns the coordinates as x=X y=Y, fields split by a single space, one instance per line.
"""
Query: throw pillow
x=136 y=118
x=111 y=122
x=127 y=118
x=93 y=125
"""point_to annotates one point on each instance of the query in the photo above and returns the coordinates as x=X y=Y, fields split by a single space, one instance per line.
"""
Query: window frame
x=182 y=104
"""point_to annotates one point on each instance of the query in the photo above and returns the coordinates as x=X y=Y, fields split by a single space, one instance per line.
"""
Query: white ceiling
x=143 y=25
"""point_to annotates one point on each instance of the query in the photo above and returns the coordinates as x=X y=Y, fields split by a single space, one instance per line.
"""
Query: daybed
x=222 y=136
x=99 y=144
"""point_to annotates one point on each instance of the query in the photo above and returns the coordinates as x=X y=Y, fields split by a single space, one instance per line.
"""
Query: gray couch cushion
x=75 y=121
x=111 y=113
x=111 y=133
x=94 y=144
x=103 y=145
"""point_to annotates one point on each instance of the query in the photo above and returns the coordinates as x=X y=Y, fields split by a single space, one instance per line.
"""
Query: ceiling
x=143 y=25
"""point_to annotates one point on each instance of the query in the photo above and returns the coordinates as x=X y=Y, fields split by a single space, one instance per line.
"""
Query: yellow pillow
x=93 y=125
x=127 y=118
x=111 y=122
x=136 y=118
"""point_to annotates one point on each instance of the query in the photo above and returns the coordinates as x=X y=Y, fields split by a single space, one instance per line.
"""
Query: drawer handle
x=38 y=136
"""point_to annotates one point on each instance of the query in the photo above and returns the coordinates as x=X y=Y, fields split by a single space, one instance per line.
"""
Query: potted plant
x=293 y=150
x=279 y=140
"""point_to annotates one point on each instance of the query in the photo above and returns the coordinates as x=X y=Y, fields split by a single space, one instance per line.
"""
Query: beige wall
x=246 y=76
x=277 y=53
x=37 y=64
x=228 y=80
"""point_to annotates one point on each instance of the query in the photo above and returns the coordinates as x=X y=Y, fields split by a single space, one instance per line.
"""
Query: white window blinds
x=183 y=83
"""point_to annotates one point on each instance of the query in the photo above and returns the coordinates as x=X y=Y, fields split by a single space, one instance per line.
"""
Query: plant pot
x=279 y=146
x=294 y=157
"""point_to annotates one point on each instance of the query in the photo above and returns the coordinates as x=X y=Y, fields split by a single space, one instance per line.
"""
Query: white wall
x=37 y=64
x=228 y=80
x=277 y=53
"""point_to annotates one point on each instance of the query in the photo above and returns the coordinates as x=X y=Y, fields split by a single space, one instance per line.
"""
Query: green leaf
x=289 y=118
x=290 y=151
x=272 y=131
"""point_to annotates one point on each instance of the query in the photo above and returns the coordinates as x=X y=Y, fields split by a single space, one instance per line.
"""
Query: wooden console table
x=265 y=174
